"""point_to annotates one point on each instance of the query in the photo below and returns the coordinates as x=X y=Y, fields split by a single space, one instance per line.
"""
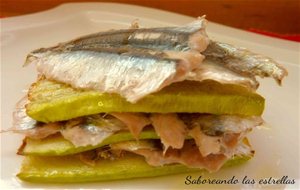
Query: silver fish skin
x=21 y=121
x=182 y=38
x=244 y=61
x=92 y=132
x=215 y=125
x=23 y=124
x=132 y=73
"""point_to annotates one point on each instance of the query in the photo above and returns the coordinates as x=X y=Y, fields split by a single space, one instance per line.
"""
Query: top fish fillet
x=136 y=62
x=132 y=73
x=191 y=36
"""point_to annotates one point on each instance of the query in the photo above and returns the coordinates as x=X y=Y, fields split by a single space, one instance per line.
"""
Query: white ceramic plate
x=277 y=148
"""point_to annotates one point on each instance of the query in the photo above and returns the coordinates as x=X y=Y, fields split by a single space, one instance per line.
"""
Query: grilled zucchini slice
x=69 y=169
x=51 y=101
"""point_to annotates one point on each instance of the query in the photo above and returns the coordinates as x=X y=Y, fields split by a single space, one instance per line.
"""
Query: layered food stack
x=140 y=102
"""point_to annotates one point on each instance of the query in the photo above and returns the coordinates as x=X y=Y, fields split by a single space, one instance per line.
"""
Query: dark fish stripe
x=166 y=38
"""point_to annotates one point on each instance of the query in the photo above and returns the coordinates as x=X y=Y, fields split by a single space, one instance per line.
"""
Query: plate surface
x=277 y=145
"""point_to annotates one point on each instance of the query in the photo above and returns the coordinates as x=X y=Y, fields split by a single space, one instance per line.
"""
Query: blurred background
x=272 y=17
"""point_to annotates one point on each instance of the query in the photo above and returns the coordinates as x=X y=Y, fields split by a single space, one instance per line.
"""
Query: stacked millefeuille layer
x=138 y=103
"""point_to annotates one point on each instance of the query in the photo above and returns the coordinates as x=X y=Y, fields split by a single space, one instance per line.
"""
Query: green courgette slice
x=51 y=101
x=69 y=169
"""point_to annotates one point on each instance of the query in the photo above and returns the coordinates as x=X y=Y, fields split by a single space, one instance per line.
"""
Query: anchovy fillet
x=244 y=61
x=132 y=73
x=187 y=37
